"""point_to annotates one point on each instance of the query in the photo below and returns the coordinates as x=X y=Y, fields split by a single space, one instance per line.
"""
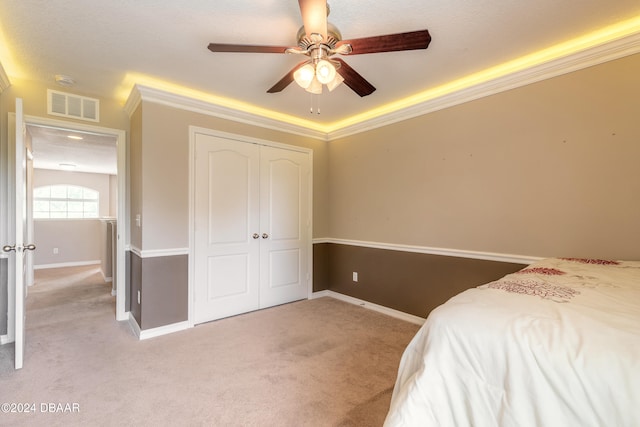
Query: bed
x=554 y=344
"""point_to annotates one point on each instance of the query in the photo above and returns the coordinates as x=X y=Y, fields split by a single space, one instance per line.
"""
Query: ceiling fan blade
x=246 y=48
x=355 y=81
x=314 y=16
x=286 y=80
x=389 y=43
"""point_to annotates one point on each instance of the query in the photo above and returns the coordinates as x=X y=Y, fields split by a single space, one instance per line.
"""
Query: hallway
x=67 y=294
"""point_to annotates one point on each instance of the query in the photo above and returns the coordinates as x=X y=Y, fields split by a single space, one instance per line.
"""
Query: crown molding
x=577 y=61
x=133 y=101
x=616 y=49
x=4 y=79
x=148 y=94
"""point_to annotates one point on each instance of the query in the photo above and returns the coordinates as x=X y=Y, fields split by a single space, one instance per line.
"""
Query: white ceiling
x=106 y=46
x=99 y=43
x=53 y=149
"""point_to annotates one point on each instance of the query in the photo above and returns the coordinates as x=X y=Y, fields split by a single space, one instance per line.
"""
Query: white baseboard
x=371 y=306
x=181 y=326
x=134 y=325
x=155 y=332
x=66 y=264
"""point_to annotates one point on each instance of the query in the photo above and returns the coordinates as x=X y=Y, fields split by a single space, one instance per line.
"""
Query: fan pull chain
x=314 y=103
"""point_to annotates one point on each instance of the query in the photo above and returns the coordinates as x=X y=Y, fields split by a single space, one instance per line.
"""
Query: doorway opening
x=76 y=205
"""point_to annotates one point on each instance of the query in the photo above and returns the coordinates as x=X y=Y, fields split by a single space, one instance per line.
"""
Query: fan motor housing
x=333 y=37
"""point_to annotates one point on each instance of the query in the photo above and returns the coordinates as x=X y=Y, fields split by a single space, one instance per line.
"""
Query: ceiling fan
x=320 y=41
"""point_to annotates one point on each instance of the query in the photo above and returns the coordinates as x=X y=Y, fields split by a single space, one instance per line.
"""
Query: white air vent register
x=73 y=106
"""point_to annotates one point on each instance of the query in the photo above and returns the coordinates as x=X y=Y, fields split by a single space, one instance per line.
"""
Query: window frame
x=89 y=196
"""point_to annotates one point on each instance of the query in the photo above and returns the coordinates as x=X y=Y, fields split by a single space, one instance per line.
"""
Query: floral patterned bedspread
x=557 y=343
x=561 y=279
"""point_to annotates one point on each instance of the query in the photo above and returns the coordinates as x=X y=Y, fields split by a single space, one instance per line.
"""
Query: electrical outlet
x=55 y=251
x=138 y=297
x=355 y=276
x=138 y=220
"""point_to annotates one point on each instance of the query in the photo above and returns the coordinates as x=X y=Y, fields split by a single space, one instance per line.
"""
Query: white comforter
x=556 y=344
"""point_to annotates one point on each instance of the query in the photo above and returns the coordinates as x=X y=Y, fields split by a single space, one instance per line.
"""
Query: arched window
x=65 y=201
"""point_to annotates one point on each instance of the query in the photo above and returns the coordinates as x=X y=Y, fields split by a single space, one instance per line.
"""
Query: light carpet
x=319 y=362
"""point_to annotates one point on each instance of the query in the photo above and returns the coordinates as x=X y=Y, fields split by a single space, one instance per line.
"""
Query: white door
x=227 y=227
x=252 y=227
x=285 y=222
x=18 y=247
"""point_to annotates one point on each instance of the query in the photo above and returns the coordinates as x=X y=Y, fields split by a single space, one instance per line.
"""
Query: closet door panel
x=226 y=218
x=285 y=222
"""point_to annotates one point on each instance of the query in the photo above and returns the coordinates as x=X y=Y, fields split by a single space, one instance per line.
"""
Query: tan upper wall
x=134 y=166
x=547 y=169
x=165 y=172
x=34 y=96
x=550 y=169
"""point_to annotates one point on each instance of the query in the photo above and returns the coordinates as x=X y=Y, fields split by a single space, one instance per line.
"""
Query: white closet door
x=285 y=224
x=227 y=216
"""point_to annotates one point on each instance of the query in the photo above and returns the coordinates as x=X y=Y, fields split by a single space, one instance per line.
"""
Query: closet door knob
x=265 y=236
x=255 y=235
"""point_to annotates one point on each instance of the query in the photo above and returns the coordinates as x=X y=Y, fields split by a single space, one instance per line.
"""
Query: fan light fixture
x=319 y=41
x=325 y=71
x=312 y=76
x=304 y=75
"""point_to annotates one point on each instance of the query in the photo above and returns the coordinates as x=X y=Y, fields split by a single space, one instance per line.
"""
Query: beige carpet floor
x=321 y=362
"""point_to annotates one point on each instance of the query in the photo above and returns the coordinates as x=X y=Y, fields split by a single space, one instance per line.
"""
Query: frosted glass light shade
x=304 y=75
x=315 y=87
x=325 y=71
x=335 y=82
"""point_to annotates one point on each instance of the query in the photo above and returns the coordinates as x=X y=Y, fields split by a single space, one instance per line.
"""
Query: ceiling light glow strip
x=131 y=79
x=593 y=39
x=7 y=61
x=596 y=38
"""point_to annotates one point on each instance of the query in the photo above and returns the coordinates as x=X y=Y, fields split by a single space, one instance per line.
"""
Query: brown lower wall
x=163 y=285
x=410 y=282
x=134 y=283
x=320 y=267
x=4 y=299
x=127 y=282
x=165 y=290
